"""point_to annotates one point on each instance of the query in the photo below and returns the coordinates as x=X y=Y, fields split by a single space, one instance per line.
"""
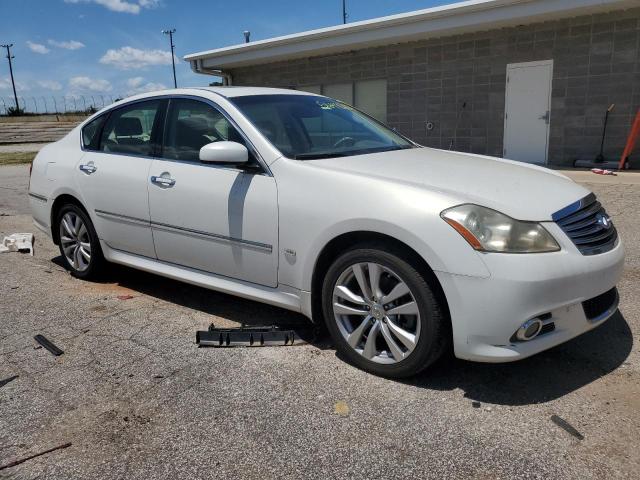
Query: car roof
x=233 y=91
x=226 y=92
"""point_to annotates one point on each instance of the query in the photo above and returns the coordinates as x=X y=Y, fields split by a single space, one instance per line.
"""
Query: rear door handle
x=163 y=181
x=88 y=168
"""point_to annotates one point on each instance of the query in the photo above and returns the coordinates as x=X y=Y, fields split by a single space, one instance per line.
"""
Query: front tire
x=79 y=243
x=382 y=314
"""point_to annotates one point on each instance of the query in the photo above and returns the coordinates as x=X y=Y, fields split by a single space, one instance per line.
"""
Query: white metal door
x=113 y=179
x=216 y=219
x=114 y=188
x=528 y=111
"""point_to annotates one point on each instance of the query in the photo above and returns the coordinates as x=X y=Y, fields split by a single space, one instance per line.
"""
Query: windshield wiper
x=350 y=153
x=387 y=149
x=315 y=156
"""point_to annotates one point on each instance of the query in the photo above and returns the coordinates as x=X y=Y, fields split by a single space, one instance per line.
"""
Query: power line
x=13 y=83
x=173 y=61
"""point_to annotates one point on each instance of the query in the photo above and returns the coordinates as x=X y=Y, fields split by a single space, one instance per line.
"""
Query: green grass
x=12 y=158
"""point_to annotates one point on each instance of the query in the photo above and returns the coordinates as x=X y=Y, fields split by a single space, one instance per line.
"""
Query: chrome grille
x=587 y=224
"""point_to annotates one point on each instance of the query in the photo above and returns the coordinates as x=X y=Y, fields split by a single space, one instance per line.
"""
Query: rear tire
x=78 y=242
x=382 y=314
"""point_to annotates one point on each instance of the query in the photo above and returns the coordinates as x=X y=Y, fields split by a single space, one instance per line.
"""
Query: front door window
x=191 y=125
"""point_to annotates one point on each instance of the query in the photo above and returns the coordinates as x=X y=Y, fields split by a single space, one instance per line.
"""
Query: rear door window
x=129 y=129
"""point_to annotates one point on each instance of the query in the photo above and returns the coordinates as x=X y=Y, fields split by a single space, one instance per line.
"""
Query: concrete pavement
x=138 y=400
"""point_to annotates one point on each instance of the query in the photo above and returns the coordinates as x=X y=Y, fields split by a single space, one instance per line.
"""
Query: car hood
x=522 y=191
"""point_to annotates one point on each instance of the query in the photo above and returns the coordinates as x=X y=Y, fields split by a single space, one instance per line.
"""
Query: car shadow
x=538 y=379
x=229 y=307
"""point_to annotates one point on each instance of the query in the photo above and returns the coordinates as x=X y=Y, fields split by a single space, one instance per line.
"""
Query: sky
x=116 y=47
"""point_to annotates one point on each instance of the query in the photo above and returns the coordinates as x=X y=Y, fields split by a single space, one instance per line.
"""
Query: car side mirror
x=224 y=152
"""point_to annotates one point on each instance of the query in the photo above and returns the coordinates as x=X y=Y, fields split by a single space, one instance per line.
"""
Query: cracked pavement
x=138 y=400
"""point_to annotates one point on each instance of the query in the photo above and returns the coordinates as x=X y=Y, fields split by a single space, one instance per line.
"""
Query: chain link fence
x=57 y=105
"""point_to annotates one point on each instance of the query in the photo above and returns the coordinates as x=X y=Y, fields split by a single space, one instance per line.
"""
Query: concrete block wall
x=596 y=63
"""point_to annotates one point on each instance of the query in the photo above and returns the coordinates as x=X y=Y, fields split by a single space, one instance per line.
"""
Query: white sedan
x=300 y=201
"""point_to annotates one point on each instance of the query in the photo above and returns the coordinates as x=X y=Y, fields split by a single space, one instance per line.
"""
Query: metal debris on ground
x=566 y=426
x=18 y=242
x=22 y=460
x=42 y=340
x=273 y=336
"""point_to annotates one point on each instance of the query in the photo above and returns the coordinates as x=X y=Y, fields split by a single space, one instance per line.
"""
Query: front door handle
x=89 y=168
x=163 y=181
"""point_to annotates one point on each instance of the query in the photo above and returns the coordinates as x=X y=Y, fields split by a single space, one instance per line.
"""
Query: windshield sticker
x=328 y=105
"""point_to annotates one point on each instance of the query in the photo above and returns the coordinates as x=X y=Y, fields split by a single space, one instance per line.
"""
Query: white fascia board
x=451 y=19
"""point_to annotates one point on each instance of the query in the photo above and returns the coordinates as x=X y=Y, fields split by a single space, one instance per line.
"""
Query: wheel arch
x=347 y=241
x=58 y=203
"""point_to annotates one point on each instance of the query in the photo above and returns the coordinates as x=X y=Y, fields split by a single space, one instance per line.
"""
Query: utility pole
x=173 y=61
x=344 y=11
x=13 y=83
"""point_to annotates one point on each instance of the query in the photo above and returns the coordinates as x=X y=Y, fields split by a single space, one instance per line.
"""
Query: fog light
x=529 y=329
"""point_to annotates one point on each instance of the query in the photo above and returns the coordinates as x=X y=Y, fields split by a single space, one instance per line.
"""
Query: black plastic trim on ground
x=272 y=336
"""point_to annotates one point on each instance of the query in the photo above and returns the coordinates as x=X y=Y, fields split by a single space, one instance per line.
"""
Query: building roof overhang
x=452 y=19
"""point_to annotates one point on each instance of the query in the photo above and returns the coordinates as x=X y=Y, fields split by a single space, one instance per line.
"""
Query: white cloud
x=122 y=6
x=37 y=47
x=135 y=82
x=137 y=85
x=67 y=45
x=5 y=84
x=129 y=58
x=89 y=84
x=50 y=84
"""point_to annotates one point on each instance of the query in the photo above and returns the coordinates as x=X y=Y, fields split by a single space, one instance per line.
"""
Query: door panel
x=527 y=111
x=116 y=196
x=211 y=217
x=112 y=176
x=216 y=219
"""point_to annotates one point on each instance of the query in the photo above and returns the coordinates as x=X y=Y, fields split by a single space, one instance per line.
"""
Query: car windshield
x=311 y=127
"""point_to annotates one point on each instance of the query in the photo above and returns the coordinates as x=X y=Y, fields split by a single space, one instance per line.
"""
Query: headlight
x=491 y=231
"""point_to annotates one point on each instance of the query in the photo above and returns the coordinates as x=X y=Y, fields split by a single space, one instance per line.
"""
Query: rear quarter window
x=91 y=133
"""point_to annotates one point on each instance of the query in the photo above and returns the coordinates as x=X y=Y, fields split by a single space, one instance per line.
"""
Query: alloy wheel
x=75 y=241
x=376 y=312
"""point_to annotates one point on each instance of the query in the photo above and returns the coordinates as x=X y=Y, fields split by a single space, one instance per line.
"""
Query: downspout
x=197 y=67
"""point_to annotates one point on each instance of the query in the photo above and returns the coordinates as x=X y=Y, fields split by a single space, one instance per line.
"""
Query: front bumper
x=486 y=312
